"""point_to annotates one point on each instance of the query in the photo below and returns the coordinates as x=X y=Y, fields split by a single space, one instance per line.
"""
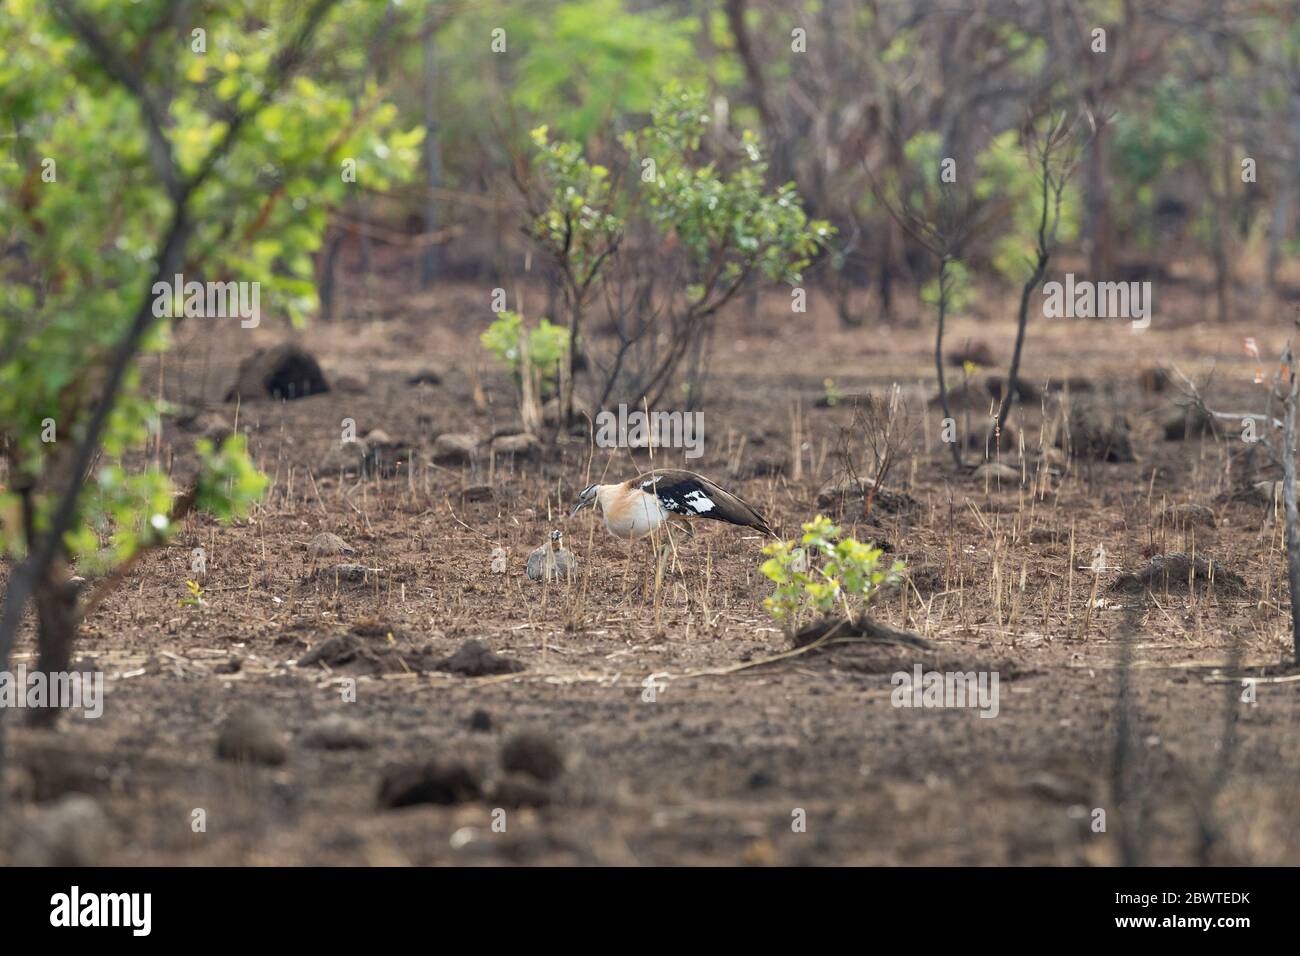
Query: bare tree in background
x=942 y=221
x=1055 y=154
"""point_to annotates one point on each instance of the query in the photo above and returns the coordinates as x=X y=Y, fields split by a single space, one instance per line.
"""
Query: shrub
x=822 y=572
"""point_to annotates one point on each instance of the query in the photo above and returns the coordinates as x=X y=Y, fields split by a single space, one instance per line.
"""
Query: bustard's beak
x=580 y=505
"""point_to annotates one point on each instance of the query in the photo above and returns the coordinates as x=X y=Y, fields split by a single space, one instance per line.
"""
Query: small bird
x=639 y=506
x=552 y=560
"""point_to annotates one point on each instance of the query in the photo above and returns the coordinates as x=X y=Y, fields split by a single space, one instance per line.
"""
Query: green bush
x=823 y=572
x=547 y=345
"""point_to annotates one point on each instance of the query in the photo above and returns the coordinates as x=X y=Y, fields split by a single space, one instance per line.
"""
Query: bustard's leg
x=627 y=569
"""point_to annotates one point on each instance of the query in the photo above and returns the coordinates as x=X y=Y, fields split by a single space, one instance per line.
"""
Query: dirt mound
x=476 y=659
x=284 y=371
x=251 y=735
x=862 y=630
x=976 y=351
x=1184 y=515
x=371 y=652
x=1099 y=433
x=434 y=781
x=848 y=492
x=1190 y=422
x=1179 y=572
x=534 y=754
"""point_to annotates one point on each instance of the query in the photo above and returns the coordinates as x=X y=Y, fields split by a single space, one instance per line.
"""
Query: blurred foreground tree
x=148 y=141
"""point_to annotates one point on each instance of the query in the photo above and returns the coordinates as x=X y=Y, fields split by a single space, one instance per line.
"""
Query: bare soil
x=715 y=768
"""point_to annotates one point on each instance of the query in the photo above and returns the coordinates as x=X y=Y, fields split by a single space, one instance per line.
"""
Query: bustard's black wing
x=686 y=493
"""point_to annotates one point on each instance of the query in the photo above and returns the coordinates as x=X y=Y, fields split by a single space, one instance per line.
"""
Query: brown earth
x=717 y=767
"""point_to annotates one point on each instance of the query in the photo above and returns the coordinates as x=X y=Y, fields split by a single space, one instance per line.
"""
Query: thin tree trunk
x=55 y=597
x=432 y=156
x=1222 y=228
x=955 y=446
x=1013 y=374
x=1289 y=502
x=1098 y=228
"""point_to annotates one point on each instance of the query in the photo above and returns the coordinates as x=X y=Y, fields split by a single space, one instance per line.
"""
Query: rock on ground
x=73 y=831
x=252 y=735
x=521 y=446
x=338 y=732
x=454 y=449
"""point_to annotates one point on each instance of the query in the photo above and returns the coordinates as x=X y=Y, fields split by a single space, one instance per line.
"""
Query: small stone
x=480 y=721
x=347 y=458
x=454 y=449
x=251 y=735
x=522 y=445
x=338 y=732
x=73 y=831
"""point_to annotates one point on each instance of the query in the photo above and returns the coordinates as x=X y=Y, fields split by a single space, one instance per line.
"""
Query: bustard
x=552 y=561
x=640 y=506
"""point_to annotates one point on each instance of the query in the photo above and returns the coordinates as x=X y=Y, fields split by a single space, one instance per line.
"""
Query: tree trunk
x=1098 y=224
x=432 y=156
x=1289 y=502
x=955 y=446
x=56 y=629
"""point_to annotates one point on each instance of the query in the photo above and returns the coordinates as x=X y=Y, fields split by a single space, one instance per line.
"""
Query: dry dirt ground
x=717 y=767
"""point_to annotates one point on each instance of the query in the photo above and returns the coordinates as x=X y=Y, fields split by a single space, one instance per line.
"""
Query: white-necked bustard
x=640 y=506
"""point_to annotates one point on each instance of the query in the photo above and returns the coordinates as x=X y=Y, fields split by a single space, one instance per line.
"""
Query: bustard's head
x=586 y=498
x=556 y=535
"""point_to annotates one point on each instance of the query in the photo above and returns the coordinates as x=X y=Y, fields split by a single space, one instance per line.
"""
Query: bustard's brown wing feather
x=686 y=493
